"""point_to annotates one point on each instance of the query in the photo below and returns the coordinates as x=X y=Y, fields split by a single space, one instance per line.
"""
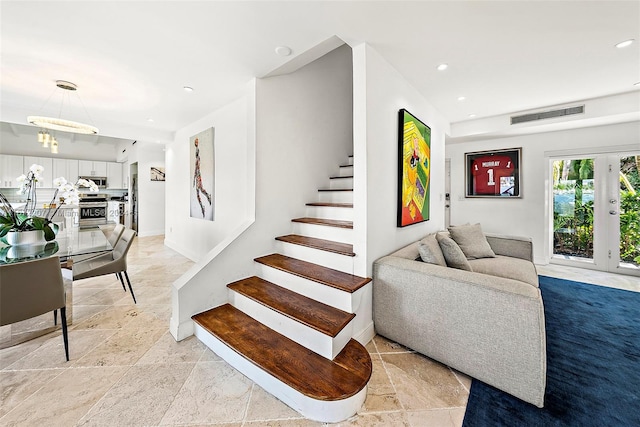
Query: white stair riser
x=310 y=338
x=335 y=196
x=339 y=183
x=350 y=161
x=316 y=256
x=336 y=234
x=326 y=212
x=323 y=411
x=346 y=171
x=331 y=296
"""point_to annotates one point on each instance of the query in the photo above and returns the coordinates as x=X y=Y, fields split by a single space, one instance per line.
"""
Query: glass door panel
x=626 y=182
x=573 y=208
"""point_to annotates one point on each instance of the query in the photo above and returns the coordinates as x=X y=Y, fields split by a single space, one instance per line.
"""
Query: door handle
x=613 y=212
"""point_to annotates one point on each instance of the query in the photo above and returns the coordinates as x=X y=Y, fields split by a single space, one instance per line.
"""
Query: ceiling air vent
x=531 y=117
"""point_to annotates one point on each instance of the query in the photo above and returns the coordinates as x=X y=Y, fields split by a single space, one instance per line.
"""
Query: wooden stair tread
x=331 y=205
x=328 y=222
x=317 y=273
x=334 y=189
x=314 y=314
x=298 y=367
x=340 y=177
x=321 y=244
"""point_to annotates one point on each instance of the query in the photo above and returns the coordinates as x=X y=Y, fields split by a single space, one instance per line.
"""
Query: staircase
x=290 y=328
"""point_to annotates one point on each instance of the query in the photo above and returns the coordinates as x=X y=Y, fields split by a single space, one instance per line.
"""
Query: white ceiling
x=131 y=60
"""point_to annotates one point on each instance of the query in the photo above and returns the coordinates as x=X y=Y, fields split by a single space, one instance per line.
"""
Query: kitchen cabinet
x=66 y=168
x=11 y=167
x=46 y=180
x=114 y=175
x=92 y=168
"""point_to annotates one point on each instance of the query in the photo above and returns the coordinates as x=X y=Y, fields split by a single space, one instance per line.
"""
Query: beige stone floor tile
x=210 y=356
x=149 y=316
x=83 y=312
x=437 y=417
x=382 y=419
x=298 y=422
x=167 y=350
x=140 y=397
x=147 y=295
x=422 y=383
x=112 y=318
x=65 y=399
x=10 y=355
x=214 y=392
x=371 y=347
x=104 y=297
x=384 y=345
x=17 y=386
x=264 y=406
x=381 y=395
x=51 y=354
x=124 y=347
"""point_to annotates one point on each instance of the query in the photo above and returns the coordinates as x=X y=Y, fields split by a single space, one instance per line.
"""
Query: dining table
x=71 y=244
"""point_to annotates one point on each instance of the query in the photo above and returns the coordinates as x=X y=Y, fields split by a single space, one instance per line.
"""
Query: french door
x=596 y=212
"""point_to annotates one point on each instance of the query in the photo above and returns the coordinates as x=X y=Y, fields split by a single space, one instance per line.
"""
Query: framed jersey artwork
x=493 y=173
x=414 y=169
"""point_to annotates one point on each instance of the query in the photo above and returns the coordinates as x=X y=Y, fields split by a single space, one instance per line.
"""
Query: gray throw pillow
x=430 y=251
x=472 y=241
x=452 y=253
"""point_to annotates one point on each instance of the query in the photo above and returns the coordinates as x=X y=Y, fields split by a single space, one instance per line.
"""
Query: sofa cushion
x=453 y=255
x=430 y=251
x=507 y=267
x=472 y=241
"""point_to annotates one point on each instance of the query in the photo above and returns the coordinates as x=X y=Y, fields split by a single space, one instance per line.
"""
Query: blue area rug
x=593 y=363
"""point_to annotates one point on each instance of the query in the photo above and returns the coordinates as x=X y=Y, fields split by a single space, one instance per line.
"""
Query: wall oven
x=93 y=210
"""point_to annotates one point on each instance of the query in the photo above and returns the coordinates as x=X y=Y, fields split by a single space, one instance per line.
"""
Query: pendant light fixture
x=52 y=123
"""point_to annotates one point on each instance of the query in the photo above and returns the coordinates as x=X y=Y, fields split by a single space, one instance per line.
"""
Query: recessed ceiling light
x=150 y=120
x=442 y=67
x=283 y=50
x=625 y=43
x=188 y=89
x=461 y=98
x=471 y=116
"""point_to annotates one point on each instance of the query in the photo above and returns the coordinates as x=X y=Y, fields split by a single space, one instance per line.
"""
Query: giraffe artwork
x=202 y=180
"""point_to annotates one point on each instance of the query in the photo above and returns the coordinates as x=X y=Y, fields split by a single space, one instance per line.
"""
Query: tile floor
x=126 y=369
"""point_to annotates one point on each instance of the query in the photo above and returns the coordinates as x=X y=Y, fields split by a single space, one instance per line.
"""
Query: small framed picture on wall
x=493 y=173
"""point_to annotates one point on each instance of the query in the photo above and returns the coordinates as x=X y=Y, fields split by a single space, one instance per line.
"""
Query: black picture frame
x=493 y=173
x=414 y=170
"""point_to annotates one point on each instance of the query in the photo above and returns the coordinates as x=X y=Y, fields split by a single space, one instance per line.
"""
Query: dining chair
x=115 y=235
x=112 y=262
x=31 y=288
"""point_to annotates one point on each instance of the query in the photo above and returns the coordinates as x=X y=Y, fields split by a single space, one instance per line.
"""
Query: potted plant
x=24 y=227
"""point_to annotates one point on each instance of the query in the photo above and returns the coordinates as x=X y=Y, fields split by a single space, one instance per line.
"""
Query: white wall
x=151 y=194
x=379 y=93
x=527 y=216
x=303 y=132
x=195 y=237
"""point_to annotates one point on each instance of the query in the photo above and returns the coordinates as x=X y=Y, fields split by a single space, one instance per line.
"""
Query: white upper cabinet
x=114 y=175
x=66 y=168
x=46 y=180
x=91 y=168
x=11 y=167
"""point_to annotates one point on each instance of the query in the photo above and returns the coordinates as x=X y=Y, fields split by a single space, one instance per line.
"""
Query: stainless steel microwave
x=101 y=181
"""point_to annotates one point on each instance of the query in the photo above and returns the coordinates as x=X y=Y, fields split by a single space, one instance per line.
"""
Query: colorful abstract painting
x=414 y=169
x=202 y=183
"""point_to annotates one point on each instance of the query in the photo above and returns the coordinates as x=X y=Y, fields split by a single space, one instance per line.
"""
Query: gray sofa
x=487 y=323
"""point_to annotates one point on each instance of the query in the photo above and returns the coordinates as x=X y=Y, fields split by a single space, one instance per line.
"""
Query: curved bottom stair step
x=322 y=384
